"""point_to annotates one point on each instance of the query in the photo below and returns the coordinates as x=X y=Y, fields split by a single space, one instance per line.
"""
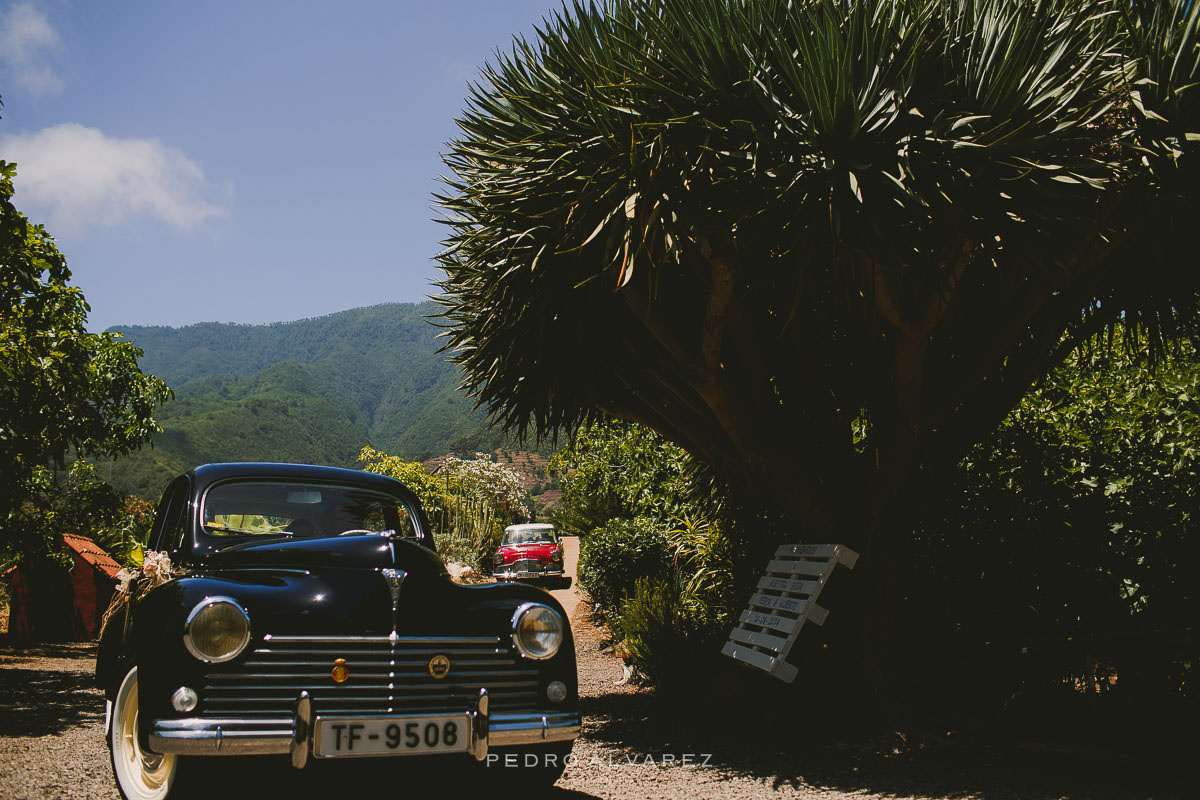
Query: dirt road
x=569 y=597
x=632 y=748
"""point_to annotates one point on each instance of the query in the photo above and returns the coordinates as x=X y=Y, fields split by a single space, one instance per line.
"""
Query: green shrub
x=612 y=558
x=457 y=549
x=667 y=634
x=703 y=555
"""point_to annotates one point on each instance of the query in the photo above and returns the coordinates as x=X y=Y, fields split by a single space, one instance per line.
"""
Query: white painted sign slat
x=785 y=601
x=773 y=621
x=789 y=585
x=760 y=639
x=823 y=551
x=793 y=605
x=815 y=569
x=836 y=552
x=771 y=664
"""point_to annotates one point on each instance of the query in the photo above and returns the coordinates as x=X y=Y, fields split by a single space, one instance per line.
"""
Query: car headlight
x=217 y=630
x=537 y=631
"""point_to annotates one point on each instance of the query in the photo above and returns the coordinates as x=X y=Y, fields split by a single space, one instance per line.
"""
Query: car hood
x=353 y=585
x=540 y=551
x=360 y=550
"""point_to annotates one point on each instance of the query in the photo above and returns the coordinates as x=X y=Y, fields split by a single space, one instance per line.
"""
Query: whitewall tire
x=140 y=775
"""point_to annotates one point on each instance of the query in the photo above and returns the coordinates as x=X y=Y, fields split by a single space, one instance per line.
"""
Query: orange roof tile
x=90 y=552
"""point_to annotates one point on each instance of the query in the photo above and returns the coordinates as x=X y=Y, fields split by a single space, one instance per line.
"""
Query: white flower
x=156 y=567
x=124 y=577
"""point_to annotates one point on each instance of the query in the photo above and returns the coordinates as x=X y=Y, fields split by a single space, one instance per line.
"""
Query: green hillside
x=315 y=390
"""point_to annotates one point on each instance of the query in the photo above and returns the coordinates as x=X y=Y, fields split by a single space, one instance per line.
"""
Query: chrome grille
x=386 y=675
x=527 y=565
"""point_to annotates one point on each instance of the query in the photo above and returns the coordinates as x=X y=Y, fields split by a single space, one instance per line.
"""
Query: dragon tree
x=825 y=245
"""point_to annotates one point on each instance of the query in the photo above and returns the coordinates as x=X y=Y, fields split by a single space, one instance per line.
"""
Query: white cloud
x=82 y=178
x=26 y=41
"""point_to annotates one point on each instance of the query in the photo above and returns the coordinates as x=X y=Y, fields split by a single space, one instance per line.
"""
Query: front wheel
x=139 y=775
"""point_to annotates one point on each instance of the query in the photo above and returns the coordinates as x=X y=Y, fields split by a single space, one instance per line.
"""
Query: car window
x=301 y=510
x=536 y=536
x=171 y=516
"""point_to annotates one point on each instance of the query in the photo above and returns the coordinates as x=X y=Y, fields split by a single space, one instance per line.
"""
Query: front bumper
x=208 y=736
x=509 y=574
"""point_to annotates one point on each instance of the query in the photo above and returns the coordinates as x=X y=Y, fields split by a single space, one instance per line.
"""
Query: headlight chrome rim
x=204 y=605
x=523 y=613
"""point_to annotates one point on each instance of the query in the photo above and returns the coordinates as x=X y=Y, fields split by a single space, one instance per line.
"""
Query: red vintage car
x=530 y=552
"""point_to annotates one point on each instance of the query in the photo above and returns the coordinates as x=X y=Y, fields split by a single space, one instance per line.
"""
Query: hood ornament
x=395 y=579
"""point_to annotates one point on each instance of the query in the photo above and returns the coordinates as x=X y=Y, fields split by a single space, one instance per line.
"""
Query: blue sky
x=250 y=161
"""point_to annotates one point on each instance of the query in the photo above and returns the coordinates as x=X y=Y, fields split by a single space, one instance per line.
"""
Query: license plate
x=392 y=735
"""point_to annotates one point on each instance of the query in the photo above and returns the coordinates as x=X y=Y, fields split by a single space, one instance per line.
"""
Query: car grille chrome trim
x=309 y=640
x=388 y=674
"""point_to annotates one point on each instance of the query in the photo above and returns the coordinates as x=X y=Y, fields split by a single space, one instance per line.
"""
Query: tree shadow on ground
x=953 y=766
x=39 y=702
x=252 y=778
x=81 y=655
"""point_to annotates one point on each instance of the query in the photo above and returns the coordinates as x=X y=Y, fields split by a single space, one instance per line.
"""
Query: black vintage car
x=306 y=614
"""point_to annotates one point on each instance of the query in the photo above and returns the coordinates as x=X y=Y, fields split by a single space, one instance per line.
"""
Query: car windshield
x=301 y=510
x=535 y=536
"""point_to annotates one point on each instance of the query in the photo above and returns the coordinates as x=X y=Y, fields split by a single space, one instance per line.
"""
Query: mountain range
x=315 y=391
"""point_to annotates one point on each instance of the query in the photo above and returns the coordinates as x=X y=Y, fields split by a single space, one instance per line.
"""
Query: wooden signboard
x=785 y=600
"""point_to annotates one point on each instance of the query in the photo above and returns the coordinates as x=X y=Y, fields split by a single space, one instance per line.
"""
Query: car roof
x=208 y=474
x=530 y=526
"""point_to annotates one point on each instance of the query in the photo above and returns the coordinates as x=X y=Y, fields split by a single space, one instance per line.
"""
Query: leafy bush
x=481 y=496
x=668 y=633
x=612 y=558
x=469 y=501
x=612 y=469
x=655 y=633
x=704 y=561
x=128 y=535
x=457 y=549
x=411 y=473
x=1069 y=534
x=673 y=623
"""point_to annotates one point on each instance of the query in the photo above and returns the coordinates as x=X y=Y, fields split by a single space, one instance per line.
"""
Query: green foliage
x=412 y=474
x=704 y=562
x=1073 y=529
x=632 y=497
x=458 y=550
x=468 y=501
x=378 y=366
x=62 y=389
x=311 y=391
x=612 y=469
x=479 y=497
x=614 y=557
x=675 y=620
x=664 y=636
x=823 y=245
x=85 y=504
x=127 y=537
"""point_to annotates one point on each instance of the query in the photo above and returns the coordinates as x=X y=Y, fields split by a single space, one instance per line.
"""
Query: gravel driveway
x=52 y=720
